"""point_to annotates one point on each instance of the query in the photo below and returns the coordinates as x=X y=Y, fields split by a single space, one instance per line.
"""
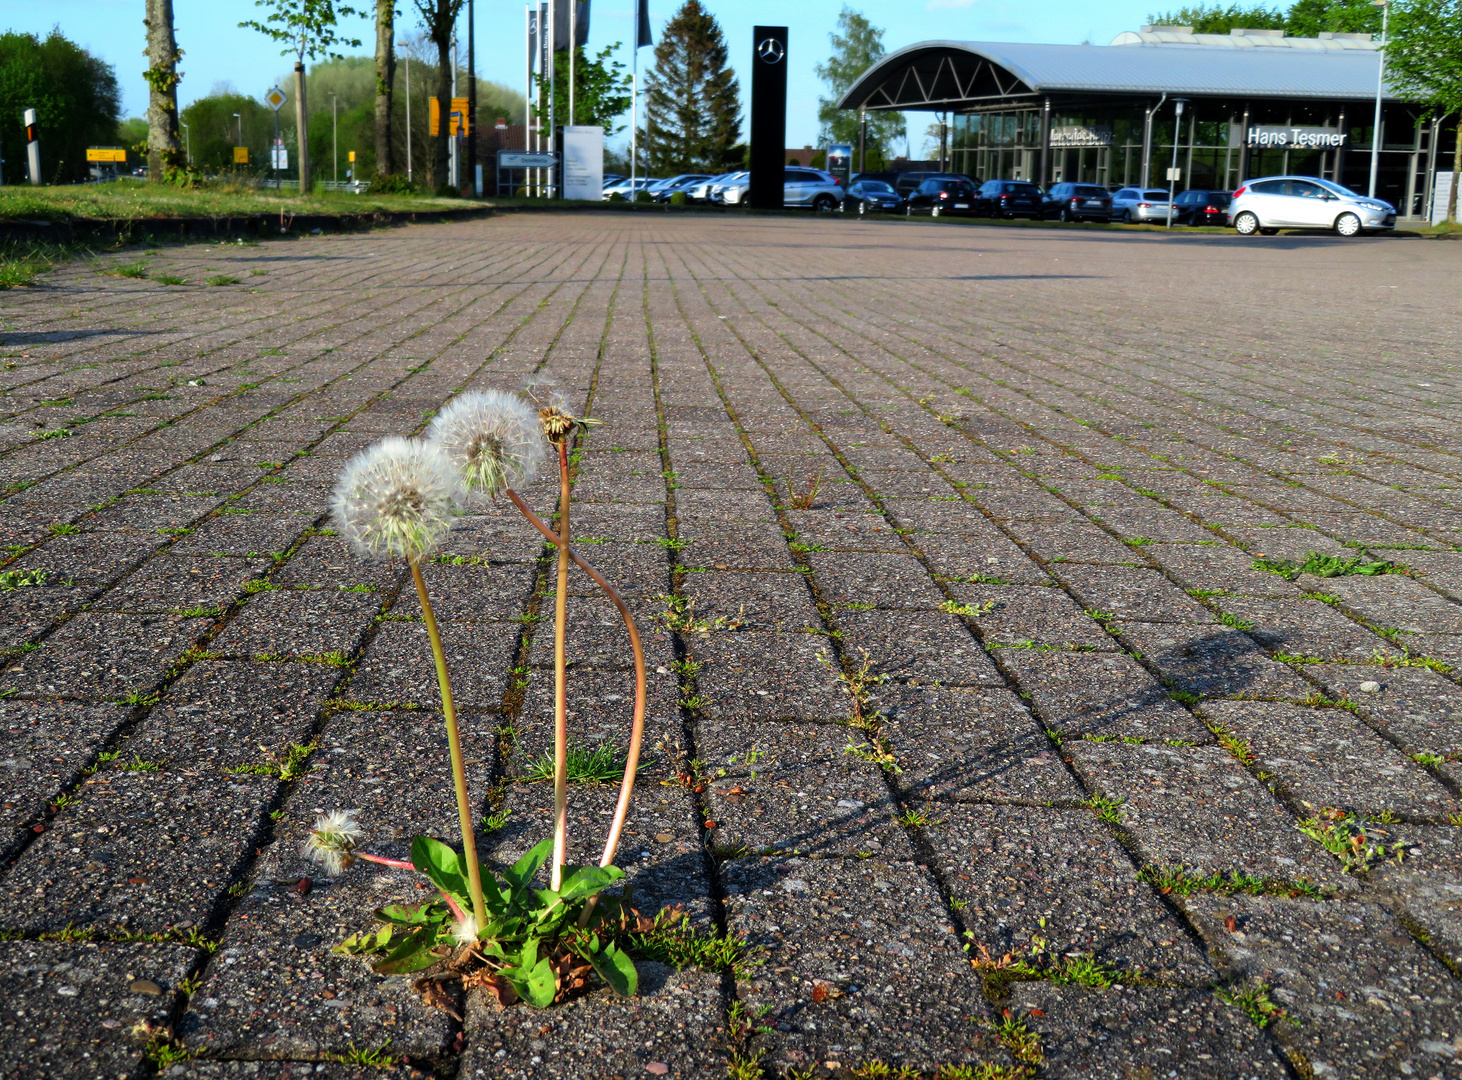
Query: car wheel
x=1246 y=224
x=1064 y=216
x=822 y=203
x=1126 y=218
x=1347 y=225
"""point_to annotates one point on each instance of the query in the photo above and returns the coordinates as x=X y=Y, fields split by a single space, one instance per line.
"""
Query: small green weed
x=1233 y=622
x=170 y=279
x=1252 y=999
x=129 y=270
x=1345 y=837
x=376 y=1058
x=1177 y=879
x=11 y=580
x=586 y=764
x=1106 y=809
x=1327 y=566
x=221 y=279
x=60 y=528
x=291 y=767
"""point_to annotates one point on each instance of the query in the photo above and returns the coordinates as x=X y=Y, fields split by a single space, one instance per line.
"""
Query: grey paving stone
x=600 y=711
x=757 y=601
x=1327 y=757
x=1078 y=542
x=297 y=622
x=872 y=930
x=43 y=748
x=850 y=531
x=1370 y=1002
x=100 y=656
x=1032 y=616
x=171 y=583
x=674 y=1021
x=596 y=635
x=143 y=852
x=1140 y=1031
x=1212 y=661
x=1197 y=807
x=288 y=1070
x=322 y=562
x=1027 y=873
x=734 y=547
x=1132 y=593
x=89 y=558
x=1219 y=568
x=767 y=677
x=1308 y=628
x=1153 y=523
x=1417 y=707
x=884 y=580
x=70 y=1009
x=970 y=745
x=1398 y=603
x=992 y=555
x=1424 y=883
x=397 y=666
x=795 y=789
x=1105 y=695
x=917 y=648
x=243 y=534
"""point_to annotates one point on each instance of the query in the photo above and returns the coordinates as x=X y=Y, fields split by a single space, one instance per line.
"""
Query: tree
x=1218 y=19
x=1308 y=18
x=75 y=98
x=692 y=100
x=307 y=27
x=1424 y=64
x=215 y=131
x=601 y=89
x=385 y=82
x=440 y=17
x=857 y=46
x=164 y=153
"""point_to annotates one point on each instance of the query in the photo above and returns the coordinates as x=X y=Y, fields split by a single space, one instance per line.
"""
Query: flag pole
x=573 y=50
x=634 y=104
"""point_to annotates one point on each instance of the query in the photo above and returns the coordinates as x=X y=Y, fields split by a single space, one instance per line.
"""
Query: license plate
x=961 y=206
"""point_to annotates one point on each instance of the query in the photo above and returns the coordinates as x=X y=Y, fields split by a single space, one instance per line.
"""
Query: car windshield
x=1155 y=195
x=1022 y=189
x=1331 y=185
x=875 y=186
x=1091 y=191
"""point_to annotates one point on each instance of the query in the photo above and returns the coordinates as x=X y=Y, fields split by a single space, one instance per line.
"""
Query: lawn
x=138 y=199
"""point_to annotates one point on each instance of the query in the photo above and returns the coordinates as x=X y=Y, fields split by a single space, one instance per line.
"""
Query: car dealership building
x=1255 y=103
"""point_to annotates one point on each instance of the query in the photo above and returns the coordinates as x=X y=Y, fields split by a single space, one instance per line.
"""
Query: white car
x=731 y=191
x=1305 y=202
x=622 y=189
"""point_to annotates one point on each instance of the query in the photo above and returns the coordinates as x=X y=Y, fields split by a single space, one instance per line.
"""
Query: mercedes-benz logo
x=771 y=51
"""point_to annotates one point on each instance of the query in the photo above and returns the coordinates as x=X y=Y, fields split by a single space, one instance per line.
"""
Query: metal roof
x=948 y=74
x=1246 y=39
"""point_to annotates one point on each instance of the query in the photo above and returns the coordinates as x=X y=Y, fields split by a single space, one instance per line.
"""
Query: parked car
x=641 y=183
x=662 y=191
x=907 y=182
x=1305 y=202
x=701 y=192
x=1008 y=199
x=1079 y=202
x=811 y=187
x=873 y=195
x=732 y=190
x=613 y=178
x=939 y=196
x=1200 y=207
x=1145 y=206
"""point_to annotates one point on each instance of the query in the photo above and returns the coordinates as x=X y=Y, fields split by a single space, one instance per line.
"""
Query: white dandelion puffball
x=396 y=499
x=492 y=438
x=465 y=931
x=332 y=841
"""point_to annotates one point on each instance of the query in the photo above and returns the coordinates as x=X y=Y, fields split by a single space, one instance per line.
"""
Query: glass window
x=1090 y=191
x=1268 y=187
x=1155 y=195
x=1219 y=199
x=1306 y=190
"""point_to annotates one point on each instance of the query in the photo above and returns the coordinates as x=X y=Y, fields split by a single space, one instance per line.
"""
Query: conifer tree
x=692 y=108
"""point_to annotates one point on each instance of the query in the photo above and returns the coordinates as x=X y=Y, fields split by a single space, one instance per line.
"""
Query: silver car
x=1140 y=206
x=1305 y=202
x=701 y=192
x=811 y=187
x=732 y=190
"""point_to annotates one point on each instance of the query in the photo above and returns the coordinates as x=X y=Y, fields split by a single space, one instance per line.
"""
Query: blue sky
x=217 y=51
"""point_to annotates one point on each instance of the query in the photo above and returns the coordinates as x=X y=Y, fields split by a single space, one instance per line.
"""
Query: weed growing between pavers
x=495 y=931
x=1347 y=838
x=1327 y=566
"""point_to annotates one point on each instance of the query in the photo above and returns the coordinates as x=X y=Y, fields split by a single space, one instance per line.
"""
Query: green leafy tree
x=1308 y=18
x=857 y=46
x=1424 y=64
x=1220 y=18
x=601 y=90
x=164 y=152
x=692 y=99
x=75 y=98
x=215 y=131
x=308 y=30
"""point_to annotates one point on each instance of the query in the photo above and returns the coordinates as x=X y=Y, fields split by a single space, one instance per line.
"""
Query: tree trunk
x=442 y=35
x=385 y=81
x=162 y=80
x=301 y=116
x=1456 y=175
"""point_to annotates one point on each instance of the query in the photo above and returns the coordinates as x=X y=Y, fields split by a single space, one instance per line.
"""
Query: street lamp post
x=187 y=142
x=1385 y=7
x=1178 y=104
x=404 y=45
x=334 y=140
x=240 y=118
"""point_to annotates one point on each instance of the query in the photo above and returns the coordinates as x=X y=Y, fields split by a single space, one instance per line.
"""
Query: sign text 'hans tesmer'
x=1296 y=138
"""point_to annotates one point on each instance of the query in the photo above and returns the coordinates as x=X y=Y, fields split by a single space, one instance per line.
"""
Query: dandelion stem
x=637 y=729
x=399 y=864
x=454 y=745
x=560 y=678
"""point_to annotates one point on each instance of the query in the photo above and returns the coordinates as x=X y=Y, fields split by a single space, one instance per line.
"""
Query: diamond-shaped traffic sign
x=275 y=98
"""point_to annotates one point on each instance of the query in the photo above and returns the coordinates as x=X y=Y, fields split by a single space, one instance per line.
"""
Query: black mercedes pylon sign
x=768 y=116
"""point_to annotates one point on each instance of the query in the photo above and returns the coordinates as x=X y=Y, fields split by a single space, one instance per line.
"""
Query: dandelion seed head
x=332 y=841
x=492 y=438
x=395 y=500
x=464 y=930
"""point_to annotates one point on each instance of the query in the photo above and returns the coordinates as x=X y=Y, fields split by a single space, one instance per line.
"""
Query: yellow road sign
x=241 y=155
x=352 y=157
x=459 y=110
x=275 y=98
x=106 y=153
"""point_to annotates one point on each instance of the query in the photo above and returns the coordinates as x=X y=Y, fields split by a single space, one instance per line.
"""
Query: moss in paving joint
x=1177 y=880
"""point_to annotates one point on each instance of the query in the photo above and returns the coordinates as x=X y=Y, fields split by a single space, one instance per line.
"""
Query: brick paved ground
x=1043 y=464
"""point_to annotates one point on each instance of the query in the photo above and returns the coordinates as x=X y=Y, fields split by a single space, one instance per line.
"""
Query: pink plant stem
x=637 y=730
x=560 y=680
x=402 y=864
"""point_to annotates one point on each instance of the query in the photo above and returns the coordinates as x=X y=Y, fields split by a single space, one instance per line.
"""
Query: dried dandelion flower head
x=493 y=439
x=396 y=499
x=465 y=930
x=332 y=841
x=553 y=412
